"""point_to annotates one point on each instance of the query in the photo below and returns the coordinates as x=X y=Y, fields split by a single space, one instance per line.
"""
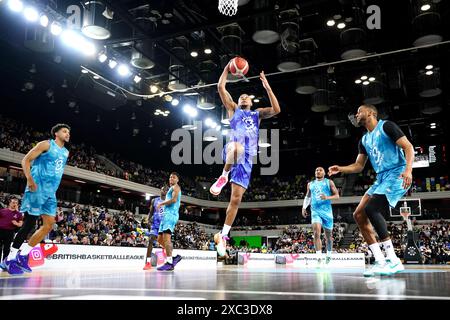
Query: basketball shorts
x=154 y=230
x=241 y=171
x=390 y=184
x=325 y=219
x=168 y=222
x=38 y=203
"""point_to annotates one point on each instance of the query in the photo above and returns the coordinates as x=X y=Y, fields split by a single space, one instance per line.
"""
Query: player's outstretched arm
x=225 y=96
x=355 y=167
x=38 y=149
x=274 y=109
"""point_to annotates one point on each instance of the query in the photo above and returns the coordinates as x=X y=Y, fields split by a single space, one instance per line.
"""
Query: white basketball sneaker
x=395 y=265
x=221 y=245
x=378 y=269
x=216 y=188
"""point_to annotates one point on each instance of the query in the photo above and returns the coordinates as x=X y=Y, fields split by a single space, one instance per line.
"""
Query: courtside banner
x=73 y=256
x=339 y=260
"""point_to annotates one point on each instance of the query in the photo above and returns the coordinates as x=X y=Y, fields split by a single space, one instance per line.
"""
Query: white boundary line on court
x=311 y=294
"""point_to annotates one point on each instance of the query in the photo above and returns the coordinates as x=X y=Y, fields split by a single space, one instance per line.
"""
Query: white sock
x=376 y=250
x=12 y=254
x=389 y=248
x=25 y=249
x=225 y=173
x=149 y=259
x=169 y=260
x=328 y=253
x=319 y=254
x=225 y=230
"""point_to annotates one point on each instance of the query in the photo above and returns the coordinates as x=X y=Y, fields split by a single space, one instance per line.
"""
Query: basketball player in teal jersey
x=319 y=194
x=49 y=158
x=391 y=156
x=169 y=220
x=155 y=217
x=239 y=152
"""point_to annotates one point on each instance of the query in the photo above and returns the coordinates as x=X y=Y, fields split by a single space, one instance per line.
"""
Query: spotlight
x=358 y=81
x=103 y=57
x=429 y=73
x=208 y=122
x=365 y=83
x=364 y=78
x=137 y=79
x=112 y=63
x=43 y=21
x=175 y=102
x=77 y=41
x=168 y=98
x=123 y=70
x=425 y=7
x=31 y=14
x=433 y=124
x=191 y=111
x=153 y=89
x=429 y=67
x=15 y=5
x=252 y=96
x=194 y=54
x=84 y=71
x=372 y=79
x=256 y=100
x=341 y=25
x=56 y=28
x=331 y=23
x=207 y=51
x=96 y=77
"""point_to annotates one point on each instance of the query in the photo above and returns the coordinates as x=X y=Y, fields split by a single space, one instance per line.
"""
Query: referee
x=10 y=220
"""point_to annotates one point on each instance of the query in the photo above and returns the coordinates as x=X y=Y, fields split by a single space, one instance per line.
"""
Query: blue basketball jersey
x=172 y=208
x=157 y=213
x=245 y=129
x=384 y=154
x=47 y=169
x=317 y=188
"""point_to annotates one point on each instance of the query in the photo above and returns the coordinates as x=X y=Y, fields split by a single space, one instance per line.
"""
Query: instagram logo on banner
x=36 y=258
x=291 y=258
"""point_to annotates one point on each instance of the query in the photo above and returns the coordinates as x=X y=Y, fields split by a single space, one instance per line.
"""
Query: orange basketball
x=238 y=67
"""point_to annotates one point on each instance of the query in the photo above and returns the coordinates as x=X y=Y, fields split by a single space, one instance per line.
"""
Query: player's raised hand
x=407 y=178
x=333 y=170
x=265 y=83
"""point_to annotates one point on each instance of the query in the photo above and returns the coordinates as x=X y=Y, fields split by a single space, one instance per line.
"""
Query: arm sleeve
x=361 y=148
x=393 y=130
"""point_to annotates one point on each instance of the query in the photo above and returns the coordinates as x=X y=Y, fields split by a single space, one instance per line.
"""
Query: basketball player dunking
x=243 y=145
x=391 y=155
x=319 y=194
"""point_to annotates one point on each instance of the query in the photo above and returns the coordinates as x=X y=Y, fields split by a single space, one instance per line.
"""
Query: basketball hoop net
x=228 y=7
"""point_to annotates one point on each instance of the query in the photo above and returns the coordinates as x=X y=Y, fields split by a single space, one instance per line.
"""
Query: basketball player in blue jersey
x=155 y=216
x=240 y=149
x=169 y=220
x=49 y=158
x=319 y=194
x=391 y=156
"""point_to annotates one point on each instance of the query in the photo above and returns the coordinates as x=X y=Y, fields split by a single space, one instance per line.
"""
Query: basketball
x=238 y=67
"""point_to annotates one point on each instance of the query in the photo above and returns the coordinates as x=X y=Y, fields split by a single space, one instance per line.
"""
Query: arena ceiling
x=164 y=33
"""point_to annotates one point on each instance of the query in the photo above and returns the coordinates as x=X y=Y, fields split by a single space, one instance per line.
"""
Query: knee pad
x=376 y=210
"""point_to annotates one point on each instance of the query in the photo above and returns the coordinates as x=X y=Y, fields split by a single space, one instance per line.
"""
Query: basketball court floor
x=227 y=282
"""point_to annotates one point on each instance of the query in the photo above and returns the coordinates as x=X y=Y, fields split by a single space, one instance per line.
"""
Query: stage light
x=123 y=70
x=44 y=21
x=341 y=25
x=256 y=100
x=429 y=73
x=175 y=102
x=15 y=5
x=75 y=40
x=56 y=28
x=364 y=78
x=425 y=7
x=190 y=111
x=358 y=81
x=102 y=57
x=331 y=23
x=153 y=89
x=84 y=71
x=137 y=79
x=372 y=79
x=112 y=63
x=194 y=54
x=31 y=14
x=365 y=83
x=207 y=51
x=429 y=67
